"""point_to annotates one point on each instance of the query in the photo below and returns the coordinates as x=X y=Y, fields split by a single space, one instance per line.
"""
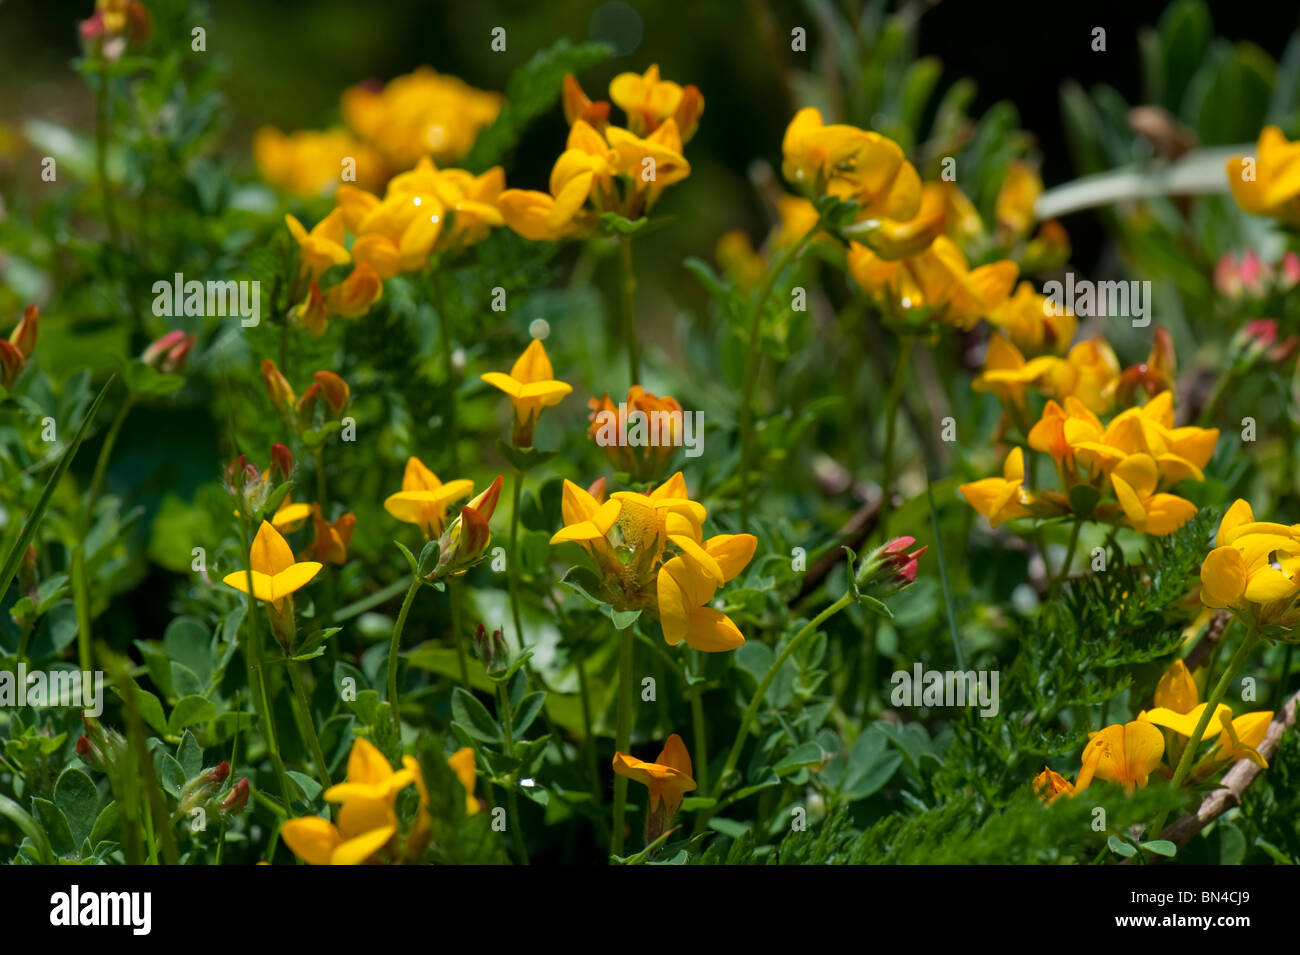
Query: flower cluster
x=648 y=552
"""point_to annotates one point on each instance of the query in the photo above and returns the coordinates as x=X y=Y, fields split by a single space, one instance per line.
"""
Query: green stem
x=753 y=363
x=449 y=368
x=394 y=648
x=622 y=735
x=701 y=738
x=751 y=711
x=891 y=431
x=80 y=585
x=1064 y=572
x=1185 y=763
x=627 y=289
x=457 y=632
x=512 y=795
x=101 y=160
x=589 y=739
x=309 y=727
x=512 y=566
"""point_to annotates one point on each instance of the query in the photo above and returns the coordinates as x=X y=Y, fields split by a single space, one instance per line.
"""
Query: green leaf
x=55 y=825
x=611 y=223
x=28 y=827
x=78 y=799
x=473 y=717
x=190 y=755
x=805 y=754
x=523 y=459
x=34 y=518
x=1161 y=847
x=106 y=825
x=410 y=558
x=1123 y=848
x=527 y=711
x=191 y=710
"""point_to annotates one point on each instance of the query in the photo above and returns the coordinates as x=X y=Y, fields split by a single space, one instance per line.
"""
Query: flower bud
x=236 y=799
x=23 y=336
x=281 y=468
x=203 y=788
x=334 y=389
x=491 y=651
x=168 y=353
x=277 y=386
x=11 y=363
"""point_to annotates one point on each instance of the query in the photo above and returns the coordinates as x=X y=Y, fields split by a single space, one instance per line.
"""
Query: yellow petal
x=311 y=839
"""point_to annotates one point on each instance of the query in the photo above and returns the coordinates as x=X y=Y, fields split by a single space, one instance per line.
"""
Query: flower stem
x=751 y=711
x=1064 y=571
x=622 y=735
x=753 y=363
x=700 y=737
x=512 y=567
x=1185 y=764
x=589 y=740
x=448 y=366
x=457 y=634
x=627 y=294
x=394 y=647
x=512 y=783
x=80 y=585
x=309 y=728
x=891 y=431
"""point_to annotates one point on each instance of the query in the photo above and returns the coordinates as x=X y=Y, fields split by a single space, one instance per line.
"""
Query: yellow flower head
x=320 y=248
x=1255 y=566
x=850 y=163
x=1268 y=184
x=1176 y=690
x=1015 y=204
x=1004 y=498
x=658 y=420
x=1034 y=330
x=648 y=101
x=423 y=498
x=423 y=113
x=307 y=163
x=531 y=386
x=937 y=279
x=1124 y=753
x=276 y=575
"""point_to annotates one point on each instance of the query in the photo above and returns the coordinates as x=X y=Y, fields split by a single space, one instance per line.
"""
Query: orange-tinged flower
x=894 y=239
x=353 y=297
x=423 y=498
x=331 y=540
x=578 y=105
x=312 y=313
x=276 y=575
x=1050 y=786
x=641 y=434
x=1030 y=326
x=466 y=539
x=1121 y=753
x=531 y=386
x=668 y=779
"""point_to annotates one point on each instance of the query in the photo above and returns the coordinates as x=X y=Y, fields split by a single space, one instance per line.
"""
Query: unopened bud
x=236 y=799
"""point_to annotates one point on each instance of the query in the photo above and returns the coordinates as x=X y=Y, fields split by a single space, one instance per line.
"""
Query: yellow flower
x=462 y=764
x=660 y=420
x=646 y=99
x=937 y=279
x=367 y=819
x=893 y=239
x=1240 y=572
x=668 y=779
x=1090 y=372
x=1270 y=185
x=1000 y=499
x=399 y=232
x=276 y=575
x=531 y=386
x=1007 y=374
x=423 y=498
x=1050 y=786
x=423 y=113
x=1177 y=690
x=1121 y=753
x=1029 y=325
x=1134 y=480
x=1014 y=210
x=310 y=162
x=687 y=584
x=1241 y=738
x=322 y=247
x=850 y=163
